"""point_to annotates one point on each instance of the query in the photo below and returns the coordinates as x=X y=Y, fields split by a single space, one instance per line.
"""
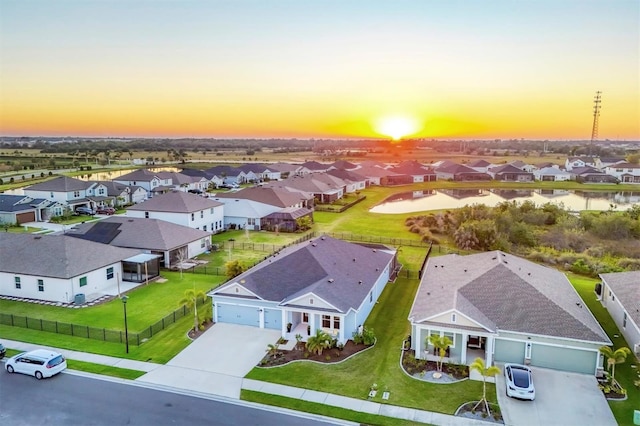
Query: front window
x=201 y=214
x=76 y=194
x=326 y=321
x=18 y=283
x=202 y=241
x=109 y=273
x=305 y=317
x=40 y=285
x=83 y=281
x=336 y=323
x=193 y=216
x=146 y=215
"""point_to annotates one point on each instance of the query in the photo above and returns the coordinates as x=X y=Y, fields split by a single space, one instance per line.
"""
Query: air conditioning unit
x=636 y=349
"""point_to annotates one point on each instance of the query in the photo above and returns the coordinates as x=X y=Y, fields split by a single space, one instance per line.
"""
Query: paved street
x=68 y=399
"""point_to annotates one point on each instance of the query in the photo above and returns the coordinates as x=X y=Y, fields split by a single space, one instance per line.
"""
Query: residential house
x=119 y=194
x=375 y=174
x=408 y=172
x=250 y=208
x=309 y=167
x=67 y=193
x=170 y=242
x=591 y=175
x=504 y=308
x=182 y=208
x=602 y=162
x=323 y=283
x=624 y=172
x=619 y=292
x=323 y=190
x=353 y=181
x=230 y=175
x=56 y=268
x=460 y=172
x=579 y=162
x=509 y=173
x=260 y=172
x=146 y=179
x=480 y=165
x=19 y=209
x=551 y=174
x=212 y=179
x=343 y=165
x=285 y=169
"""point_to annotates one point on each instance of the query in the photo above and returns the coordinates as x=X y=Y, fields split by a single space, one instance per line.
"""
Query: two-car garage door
x=555 y=357
x=238 y=314
x=249 y=315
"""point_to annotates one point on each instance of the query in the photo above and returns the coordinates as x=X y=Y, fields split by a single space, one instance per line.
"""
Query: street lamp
x=126 y=329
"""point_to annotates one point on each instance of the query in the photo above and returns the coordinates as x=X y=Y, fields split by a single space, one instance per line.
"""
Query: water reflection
x=417 y=201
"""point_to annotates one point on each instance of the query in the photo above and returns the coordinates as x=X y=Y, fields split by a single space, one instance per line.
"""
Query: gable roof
x=512 y=293
x=56 y=256
x=176 y=202
x=343 y=165
x=140 y=175
x=139 y=233
x=626 y=286
x=479 y=163
x=273 y=196
x=507 y=168
x=60 y=184
x=339 y=272
x=18 y=203
x=314 y=165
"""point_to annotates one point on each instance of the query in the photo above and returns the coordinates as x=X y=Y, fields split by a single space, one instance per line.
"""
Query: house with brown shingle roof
x=504 y=308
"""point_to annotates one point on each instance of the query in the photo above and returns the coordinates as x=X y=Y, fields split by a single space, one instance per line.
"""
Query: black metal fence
x=95 y=333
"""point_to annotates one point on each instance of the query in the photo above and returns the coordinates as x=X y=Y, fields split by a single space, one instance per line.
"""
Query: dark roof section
x=140 y=175
x=140 y=233
x=56 y=256
x=339 y=272
x=18 y=203
x=61 y=184
x=626 y=287
x=272 y=196
x=176 y=202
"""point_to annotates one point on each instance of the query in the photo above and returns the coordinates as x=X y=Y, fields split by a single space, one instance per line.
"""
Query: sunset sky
x=346 y=69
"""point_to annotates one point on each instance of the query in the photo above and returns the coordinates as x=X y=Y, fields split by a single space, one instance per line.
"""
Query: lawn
x=625 y=374
x=380 y=365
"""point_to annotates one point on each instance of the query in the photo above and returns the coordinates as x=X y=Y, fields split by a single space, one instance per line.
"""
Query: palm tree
x=272 y=349
x=190 y=300
x=319 y=342
x=618 y=356
x=491 y=371
x=441 y=343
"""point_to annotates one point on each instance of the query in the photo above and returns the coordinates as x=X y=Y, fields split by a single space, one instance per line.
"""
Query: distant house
x=509 y=173
x=324 y=284
x=323 y=191
x=408 y=172
x=119 y=194
x=145 y=179
x=254 y=208
x=620 y=295
x=503 y=308
x=602 y=162
x=211 y=178
x=579 y=162
x=353 y=181
x=165 y=239
x=19 y=209
x=551 y=174
x=285 y=169
x=375 y=174
x=480 y=165
x=591 y=175
x=182 y=208
x=624 y=172
x=460 y=172
x=260 y=172
x=312 y=167
x=68 y=194
x=56 y=268
x=343 y=165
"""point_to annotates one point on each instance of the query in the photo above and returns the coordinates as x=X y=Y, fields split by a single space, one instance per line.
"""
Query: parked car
x=519 y=381
x=3 y=351
x=40 y=363
x=84 y=210
x=105 y=210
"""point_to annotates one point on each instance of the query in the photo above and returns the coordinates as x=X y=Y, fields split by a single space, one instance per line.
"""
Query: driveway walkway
x=217 y=361
x=561 y=399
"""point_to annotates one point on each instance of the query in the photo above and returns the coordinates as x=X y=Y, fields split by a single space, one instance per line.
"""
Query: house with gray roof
x=504 y=308
x=67 y=193
x=459 y=173
x=620 y=295
x=172 y=243
x=253 y=208
x=509 y=173
x=323 y=283
x=551 y=174
x=19 y=209
x=56 y=268
x=182 y=208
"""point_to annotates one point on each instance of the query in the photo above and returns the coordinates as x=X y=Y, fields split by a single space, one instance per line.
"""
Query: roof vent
x=375 y=251
x=37 y=237
x=331 y=280
x=436 y=266
x=322 y=238
x=465 y=269
x=428 y=293
x=529 y=273
x=313 y=244
x=130 y=220
x=360 y=282
x=354 y=259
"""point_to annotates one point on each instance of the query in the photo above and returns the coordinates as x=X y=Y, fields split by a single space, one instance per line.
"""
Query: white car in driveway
x=519 y=381
x=40 y=363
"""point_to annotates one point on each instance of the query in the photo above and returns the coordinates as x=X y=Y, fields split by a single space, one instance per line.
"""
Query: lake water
x=418 y=201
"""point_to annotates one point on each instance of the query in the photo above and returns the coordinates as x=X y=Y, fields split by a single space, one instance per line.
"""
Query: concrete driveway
x=217 y=361
x=561 y=399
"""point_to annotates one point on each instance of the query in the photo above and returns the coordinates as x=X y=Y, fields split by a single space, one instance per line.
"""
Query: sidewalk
x=325 y=398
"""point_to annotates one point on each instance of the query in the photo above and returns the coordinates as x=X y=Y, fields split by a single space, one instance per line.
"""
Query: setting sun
x=397 y=126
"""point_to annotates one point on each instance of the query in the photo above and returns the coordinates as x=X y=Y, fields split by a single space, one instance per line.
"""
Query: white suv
x=39 y=363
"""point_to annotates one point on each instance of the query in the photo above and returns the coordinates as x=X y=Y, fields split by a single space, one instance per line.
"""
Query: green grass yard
x=625 y=373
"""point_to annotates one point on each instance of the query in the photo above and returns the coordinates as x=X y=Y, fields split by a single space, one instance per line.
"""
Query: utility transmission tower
x=596 y=114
